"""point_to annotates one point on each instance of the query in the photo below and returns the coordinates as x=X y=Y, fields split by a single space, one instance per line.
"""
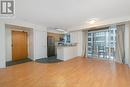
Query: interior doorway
x=51 y=46
x=52 y=40
x=19 y=45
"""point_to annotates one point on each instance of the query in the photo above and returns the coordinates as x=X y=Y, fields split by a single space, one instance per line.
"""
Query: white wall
x=77 y=37
x=2 y=45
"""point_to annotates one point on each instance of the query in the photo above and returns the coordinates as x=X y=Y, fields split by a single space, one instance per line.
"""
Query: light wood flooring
x=77 y=72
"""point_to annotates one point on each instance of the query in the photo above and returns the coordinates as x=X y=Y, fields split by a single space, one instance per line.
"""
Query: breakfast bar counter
x=66 y=52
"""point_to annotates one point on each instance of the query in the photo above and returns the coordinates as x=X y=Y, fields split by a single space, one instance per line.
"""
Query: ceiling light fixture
x=65 y=32
x=93 y=20
x=61 y=30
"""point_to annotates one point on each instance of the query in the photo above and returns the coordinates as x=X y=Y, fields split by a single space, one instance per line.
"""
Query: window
x=102 y=44
x=89 y=44
x=90 y=49
x=89 y=34
x=89 y=39
x=111 y=31
x=111 y=37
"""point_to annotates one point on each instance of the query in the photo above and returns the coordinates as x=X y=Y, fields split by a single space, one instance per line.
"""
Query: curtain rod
x=96 y=29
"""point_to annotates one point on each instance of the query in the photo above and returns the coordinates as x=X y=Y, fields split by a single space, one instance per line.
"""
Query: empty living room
x=64 y=43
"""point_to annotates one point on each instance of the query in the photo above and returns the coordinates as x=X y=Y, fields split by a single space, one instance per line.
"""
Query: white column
x=77 y=37
x=31 y=44
x=2 y=46
x=129 y=45
x=126 y=43
x=40 y=44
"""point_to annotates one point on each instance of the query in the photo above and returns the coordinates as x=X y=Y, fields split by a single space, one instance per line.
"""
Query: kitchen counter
x=66 y=52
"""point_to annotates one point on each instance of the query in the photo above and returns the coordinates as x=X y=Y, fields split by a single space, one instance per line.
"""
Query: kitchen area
x=60 y=47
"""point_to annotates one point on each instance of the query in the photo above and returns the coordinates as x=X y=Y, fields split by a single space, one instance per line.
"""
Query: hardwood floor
x=78 y=72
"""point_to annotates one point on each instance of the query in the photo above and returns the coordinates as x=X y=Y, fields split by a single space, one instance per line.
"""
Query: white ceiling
x=68 y=13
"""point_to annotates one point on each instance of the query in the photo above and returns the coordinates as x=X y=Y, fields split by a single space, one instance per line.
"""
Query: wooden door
x=19 y=45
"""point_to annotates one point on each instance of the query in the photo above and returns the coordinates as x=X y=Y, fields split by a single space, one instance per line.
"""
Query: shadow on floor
x=10 y=63
x=48 y=60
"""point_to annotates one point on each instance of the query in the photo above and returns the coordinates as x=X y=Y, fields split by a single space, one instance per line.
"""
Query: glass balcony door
x=101 y=43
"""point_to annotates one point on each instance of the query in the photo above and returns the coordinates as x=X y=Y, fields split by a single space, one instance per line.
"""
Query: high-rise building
x=102 y=43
